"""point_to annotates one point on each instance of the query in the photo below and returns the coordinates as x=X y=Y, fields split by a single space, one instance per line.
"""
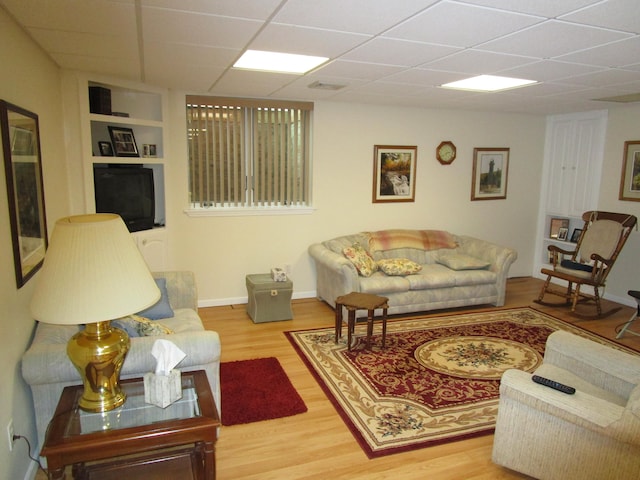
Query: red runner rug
x=256 y=390
x=436 y=381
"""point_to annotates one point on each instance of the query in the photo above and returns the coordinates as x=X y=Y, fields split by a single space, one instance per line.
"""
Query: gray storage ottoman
x=269 y=301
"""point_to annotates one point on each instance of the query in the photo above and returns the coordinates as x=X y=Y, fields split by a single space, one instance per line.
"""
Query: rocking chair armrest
x=556 y=249
x=598 y=259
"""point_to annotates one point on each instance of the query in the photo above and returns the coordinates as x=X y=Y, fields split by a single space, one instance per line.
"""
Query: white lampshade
x=92 y=272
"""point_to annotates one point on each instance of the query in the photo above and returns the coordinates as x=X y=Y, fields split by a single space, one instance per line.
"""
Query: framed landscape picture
x=394 y=172
x=490 y=170
x=630 y=181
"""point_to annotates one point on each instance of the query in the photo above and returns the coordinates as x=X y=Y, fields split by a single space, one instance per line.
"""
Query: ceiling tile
x=390 y=51
x=545 y=8
x=460 y=25
x=230 y=8
x=361 y=16
x=615 y=14
x=478 y=62
x=617 y=54
x=552 y=39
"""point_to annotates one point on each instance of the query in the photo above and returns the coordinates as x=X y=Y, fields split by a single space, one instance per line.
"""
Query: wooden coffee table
x=137 y=438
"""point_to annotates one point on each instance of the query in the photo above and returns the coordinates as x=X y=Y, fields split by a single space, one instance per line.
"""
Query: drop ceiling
x=381 y=51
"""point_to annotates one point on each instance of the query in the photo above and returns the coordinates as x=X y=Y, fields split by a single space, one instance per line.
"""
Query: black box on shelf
x=100 y=100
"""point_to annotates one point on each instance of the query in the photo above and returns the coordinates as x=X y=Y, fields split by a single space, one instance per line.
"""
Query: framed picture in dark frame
x=630 y=180
x=394 y=173
x=575 y=236
x=25 y=190
x=123 y=141
x=490 y=173
x=106 y=150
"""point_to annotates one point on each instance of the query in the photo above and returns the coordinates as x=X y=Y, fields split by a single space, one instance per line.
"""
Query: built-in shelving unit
x=142 y=109
x=574 y=149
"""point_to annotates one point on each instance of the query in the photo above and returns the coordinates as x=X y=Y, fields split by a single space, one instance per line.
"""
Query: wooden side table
x=142 y=435
x=360 y=301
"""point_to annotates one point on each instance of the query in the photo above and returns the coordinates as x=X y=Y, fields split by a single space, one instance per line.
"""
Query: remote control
x=553 y=384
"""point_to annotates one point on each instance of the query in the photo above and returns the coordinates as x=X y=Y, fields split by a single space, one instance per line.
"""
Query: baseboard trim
x=220 y=302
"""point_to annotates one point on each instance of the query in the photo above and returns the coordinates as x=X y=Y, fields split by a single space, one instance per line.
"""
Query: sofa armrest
x=581 y=409
x=610 y=369
x=181 y=288
x=335 y=274
x=501 y=259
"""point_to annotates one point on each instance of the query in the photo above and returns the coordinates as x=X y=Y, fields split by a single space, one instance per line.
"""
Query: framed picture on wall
x=630 y=180
x=394 y=173
x=490 y=171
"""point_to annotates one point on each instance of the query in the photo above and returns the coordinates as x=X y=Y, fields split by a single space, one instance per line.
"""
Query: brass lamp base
x=98 y=354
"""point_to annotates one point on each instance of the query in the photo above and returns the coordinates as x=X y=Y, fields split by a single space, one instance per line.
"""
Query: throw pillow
x=137 y=326
x=361 y=259
x=459 y=261
x=162 y=309
x=399 y=266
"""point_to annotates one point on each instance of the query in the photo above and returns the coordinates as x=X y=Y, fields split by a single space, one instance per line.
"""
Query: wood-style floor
x=317 y=444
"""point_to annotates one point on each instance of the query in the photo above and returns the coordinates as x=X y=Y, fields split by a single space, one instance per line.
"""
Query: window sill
x=248 y=211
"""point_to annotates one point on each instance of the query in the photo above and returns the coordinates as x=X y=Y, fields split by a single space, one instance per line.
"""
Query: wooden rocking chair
x=603 y=236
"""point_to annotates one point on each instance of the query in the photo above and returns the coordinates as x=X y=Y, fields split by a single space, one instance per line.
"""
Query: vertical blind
x=248 y=153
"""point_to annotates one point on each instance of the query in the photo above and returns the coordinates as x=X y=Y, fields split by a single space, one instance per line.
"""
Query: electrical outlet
x=10 y=434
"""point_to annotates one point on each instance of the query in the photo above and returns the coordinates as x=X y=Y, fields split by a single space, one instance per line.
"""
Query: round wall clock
x=446 y=152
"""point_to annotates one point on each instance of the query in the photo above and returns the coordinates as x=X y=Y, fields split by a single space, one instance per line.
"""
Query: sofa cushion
x=398 y=266
x=379 y=283
x=161 y=309
x=432 y=276
x=361 y=259
x=459 y=261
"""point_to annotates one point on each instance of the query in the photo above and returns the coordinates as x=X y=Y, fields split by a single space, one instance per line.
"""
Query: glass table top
x=135 y=412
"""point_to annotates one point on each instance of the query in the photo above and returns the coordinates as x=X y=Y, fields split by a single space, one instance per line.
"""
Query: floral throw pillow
x=361 y=259
x=399 y=266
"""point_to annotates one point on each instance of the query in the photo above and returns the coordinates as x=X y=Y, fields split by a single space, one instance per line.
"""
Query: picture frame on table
x=575 y=236
x=630 y=179
x=106 y=150
x=563 y=232
x=123 y=141
x=490 y=173
x=394 y=173
x=556 y=225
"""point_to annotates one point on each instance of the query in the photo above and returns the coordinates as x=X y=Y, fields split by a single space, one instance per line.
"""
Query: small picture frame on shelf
x=106 y=150
x=555 y=226
x=149 y=150
x=124 y=143
x=562 y=233
x=575 y=236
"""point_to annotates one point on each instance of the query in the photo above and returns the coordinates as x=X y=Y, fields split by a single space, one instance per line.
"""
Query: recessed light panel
x=278 y=62
x=488 y=83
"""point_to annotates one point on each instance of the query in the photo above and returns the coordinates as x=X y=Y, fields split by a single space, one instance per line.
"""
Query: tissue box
x=162 y=390
x=278 y=275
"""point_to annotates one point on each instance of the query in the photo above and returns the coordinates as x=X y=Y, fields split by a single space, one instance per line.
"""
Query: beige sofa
x=47 y=368
x=456 y=270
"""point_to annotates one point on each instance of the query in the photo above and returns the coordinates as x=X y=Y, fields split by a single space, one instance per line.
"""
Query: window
x=248 y=153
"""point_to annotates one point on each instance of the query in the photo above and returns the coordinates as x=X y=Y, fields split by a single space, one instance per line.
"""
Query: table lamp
x=94 y=273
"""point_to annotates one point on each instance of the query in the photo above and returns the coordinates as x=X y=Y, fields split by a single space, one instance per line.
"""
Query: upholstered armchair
x=592 y=434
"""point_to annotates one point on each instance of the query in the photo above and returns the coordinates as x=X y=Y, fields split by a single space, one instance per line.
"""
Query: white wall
x=30 y=80
x=222 y=250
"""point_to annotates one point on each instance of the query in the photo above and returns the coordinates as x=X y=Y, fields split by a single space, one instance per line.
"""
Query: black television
x=127 y=190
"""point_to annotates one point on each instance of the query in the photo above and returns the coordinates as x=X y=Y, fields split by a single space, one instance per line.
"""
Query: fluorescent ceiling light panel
x=488 y=83
x=278 y=62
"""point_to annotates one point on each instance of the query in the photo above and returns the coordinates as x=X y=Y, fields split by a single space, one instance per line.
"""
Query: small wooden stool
x=360 y=301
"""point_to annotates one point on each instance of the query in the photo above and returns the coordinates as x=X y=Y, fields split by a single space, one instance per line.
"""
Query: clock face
x=446 y=152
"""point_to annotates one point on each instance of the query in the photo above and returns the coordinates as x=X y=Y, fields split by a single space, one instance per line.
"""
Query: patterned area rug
x=436 y=381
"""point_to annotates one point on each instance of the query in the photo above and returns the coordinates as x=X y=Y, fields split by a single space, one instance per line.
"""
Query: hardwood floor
x=317 y=444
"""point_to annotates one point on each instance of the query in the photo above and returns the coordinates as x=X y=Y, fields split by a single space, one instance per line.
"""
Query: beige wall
x=222 y=250
x=30 y=80
x=622 y=126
